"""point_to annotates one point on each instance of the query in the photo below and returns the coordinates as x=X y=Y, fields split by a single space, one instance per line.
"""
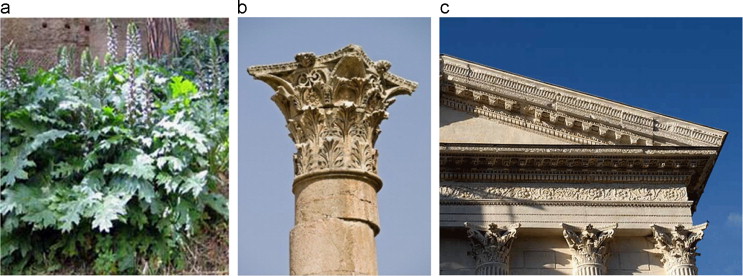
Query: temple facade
x=540 y=179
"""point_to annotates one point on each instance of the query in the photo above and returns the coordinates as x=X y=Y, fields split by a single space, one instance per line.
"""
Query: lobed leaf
x=85 y=198
x=194 y=184
x=182 y=88
x=176 y=165
x=140 y=167
x=15 y=164
x=111 y=208
x=217 y=202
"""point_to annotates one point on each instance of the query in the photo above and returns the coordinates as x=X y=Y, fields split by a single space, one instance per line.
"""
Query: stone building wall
x=38 y=39
x=538 y=255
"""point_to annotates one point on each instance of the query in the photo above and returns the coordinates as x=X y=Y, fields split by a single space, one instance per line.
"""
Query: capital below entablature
x=589 y=247
x=678 y=247
x=334 y=105
x=491 y=247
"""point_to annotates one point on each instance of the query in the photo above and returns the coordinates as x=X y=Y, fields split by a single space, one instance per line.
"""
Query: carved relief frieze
x=678 y=247
x=334 y=105
x=586 y=192
x=566 y=113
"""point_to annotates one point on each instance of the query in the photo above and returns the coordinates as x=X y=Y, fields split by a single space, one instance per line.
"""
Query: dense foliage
x=115 y=168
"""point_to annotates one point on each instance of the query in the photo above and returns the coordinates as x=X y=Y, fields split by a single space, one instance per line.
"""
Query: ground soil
x=208 y=253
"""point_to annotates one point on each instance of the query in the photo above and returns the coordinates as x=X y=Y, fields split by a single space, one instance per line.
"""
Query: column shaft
x=492 y=269
x=590 y=269
x=336 y=220
x=683 y=270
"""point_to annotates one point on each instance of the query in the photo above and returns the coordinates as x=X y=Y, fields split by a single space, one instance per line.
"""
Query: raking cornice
x=561 y=112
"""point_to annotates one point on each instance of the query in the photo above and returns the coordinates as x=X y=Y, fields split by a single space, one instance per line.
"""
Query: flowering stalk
x=9 y=78
x=112 y=44
x=133 y=42
x=215 y=59
x=64 y=60
x=86 y=64
x=138 y=99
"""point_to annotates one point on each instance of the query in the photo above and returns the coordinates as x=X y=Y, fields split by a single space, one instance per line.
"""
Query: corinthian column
x=679 y=247
x=333 y=106
x=589 y=247
x=491 y=248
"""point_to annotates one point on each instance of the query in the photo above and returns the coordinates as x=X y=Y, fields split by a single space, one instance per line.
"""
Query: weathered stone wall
x=38 y=39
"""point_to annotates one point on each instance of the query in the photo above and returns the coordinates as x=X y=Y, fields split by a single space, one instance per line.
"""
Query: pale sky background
x=265 y=200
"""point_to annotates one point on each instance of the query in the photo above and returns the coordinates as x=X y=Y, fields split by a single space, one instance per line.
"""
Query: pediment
x=461 y=127
x=542 y=113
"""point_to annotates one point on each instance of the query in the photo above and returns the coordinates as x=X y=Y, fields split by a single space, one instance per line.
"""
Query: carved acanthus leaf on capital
x=589 y=245
x=334 y=105
x=678 y=246
x=491 y=245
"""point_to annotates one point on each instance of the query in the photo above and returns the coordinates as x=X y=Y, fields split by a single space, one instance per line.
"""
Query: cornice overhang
x=272 y=73
x=579 y=164
x=564 y=113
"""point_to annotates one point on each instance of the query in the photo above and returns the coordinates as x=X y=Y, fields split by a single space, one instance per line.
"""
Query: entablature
x=597 y=168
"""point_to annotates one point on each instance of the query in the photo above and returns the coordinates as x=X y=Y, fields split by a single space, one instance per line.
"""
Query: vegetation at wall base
x=119 y=169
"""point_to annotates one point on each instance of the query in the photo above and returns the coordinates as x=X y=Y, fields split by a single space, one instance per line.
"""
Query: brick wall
x=38 y=39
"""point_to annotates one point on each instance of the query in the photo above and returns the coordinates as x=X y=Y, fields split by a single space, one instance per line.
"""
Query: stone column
x=491 y=248
x=333 y=105
x=589 y=247
x=678 y=247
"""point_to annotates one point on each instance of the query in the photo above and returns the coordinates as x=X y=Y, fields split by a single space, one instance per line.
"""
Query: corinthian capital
x=678 y=247
x=333 y=106
x=589 y=246
x=491 y=247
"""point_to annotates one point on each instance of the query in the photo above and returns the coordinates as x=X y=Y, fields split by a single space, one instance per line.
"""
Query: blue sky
x=685 y=68
x=265 y=200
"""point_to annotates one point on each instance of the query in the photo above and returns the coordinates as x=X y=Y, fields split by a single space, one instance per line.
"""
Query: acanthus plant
x=114 y=169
